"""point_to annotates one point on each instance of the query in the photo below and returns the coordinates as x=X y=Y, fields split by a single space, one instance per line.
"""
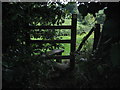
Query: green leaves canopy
x=17 y=15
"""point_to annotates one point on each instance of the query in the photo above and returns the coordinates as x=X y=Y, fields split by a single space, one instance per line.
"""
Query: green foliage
x=21 y=67
x=93 y=70
x=100 y=17
x=22 y=14
x=89 y=20
x=102 y=69
x=71 y=7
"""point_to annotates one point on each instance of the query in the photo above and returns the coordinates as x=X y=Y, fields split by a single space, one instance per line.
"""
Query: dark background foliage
x=22 y=70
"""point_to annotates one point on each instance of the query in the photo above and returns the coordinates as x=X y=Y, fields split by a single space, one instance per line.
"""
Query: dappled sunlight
x=60 y=44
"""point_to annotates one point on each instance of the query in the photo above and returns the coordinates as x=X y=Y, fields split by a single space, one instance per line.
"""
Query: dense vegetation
x=94 y=68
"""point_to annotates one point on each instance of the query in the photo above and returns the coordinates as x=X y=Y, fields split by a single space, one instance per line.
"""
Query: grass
x=78 y=40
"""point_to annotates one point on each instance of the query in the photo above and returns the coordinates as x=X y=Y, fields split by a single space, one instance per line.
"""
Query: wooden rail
x=55 y=57
x=50 y=41
x=49 y=27
x=96 y=36
x=72 y=41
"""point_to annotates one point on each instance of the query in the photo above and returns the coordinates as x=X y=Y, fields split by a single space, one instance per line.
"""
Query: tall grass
x=79 y=37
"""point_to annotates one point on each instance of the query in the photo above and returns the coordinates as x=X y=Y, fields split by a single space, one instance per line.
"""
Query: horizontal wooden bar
x=49 y=27
x=55 y=57
x=50 y=41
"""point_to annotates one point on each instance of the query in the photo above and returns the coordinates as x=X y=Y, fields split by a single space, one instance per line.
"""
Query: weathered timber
x=49 y=27
x=96 y=36
x=73 y=41
x=54 y=57
x=55 y=52
x=50 y=41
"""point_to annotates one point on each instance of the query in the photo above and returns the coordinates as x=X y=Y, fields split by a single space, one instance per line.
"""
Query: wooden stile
x=72 y=41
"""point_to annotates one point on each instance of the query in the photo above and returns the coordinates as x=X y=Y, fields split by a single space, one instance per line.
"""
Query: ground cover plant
x=97 y=67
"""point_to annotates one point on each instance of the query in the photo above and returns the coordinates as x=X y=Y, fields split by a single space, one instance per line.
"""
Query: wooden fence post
x=73 y=41
x=96 y=35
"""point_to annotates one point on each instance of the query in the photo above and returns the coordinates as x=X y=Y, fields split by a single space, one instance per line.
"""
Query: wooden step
x=54 y=52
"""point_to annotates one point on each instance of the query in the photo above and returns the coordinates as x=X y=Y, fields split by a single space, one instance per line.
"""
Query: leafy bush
x=21 y=68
